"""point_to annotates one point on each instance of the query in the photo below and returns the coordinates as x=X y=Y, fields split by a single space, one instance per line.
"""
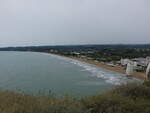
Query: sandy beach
x=118 y=69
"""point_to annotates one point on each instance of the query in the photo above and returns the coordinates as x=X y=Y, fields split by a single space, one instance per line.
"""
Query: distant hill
x=73 y=47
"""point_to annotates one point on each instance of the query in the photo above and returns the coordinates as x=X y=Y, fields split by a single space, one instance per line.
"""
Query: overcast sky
x=60 y=22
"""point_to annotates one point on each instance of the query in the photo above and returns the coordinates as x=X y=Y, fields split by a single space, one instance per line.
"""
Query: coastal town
x=74 y=56
x=112 y=58
x=132 y=66
x=132 y=60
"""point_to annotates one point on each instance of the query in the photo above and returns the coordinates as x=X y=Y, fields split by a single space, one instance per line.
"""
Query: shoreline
x=119 y=69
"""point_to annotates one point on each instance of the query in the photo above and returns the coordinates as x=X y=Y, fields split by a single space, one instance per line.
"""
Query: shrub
x=20 y=103
x=106 y=103
x=147 y=83
x=129 y=98
x=133 y=91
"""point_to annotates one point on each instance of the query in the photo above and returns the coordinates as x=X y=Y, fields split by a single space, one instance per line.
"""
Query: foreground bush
x=129 y=98
x=19 y=103
x=147 y=83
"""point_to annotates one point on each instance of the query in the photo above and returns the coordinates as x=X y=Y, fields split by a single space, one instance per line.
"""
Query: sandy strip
x=118 y=69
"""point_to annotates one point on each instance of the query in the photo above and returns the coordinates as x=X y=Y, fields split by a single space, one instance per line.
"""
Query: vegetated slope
x=19 y=103
x=130 y=98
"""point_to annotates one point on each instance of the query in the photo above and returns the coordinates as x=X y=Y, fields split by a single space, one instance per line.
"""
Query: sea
x=41 y=73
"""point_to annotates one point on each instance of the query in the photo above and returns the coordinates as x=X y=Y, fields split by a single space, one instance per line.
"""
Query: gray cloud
x=54 y=22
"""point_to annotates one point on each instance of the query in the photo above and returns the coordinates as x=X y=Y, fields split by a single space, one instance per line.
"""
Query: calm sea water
x=40 y=72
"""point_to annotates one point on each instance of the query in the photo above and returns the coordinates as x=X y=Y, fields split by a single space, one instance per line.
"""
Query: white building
x=148 y=71
x=130 y=69
x=125 y=62
x=147 y=60
x=140 y=61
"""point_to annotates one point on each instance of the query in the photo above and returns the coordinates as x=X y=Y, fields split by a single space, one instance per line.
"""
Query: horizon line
x=74 y=45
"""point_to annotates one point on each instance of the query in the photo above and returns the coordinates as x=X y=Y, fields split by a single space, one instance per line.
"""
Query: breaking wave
x=106 y=75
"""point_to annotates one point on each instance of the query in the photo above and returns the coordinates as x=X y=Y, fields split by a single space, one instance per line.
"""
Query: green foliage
x=133 y=91
x=19 y=103
x=147 y=83
x=129 y=98
x=105 y=103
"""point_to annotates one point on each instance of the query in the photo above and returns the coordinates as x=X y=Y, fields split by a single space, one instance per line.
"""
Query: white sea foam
x=87 y=83
x=110 y=77
x=106 y=75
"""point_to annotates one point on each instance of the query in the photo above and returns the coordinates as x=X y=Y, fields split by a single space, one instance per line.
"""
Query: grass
x=19 y=103
x=129 y=98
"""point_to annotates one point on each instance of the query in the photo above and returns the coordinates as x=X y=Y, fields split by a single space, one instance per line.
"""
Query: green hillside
x=130 y=98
